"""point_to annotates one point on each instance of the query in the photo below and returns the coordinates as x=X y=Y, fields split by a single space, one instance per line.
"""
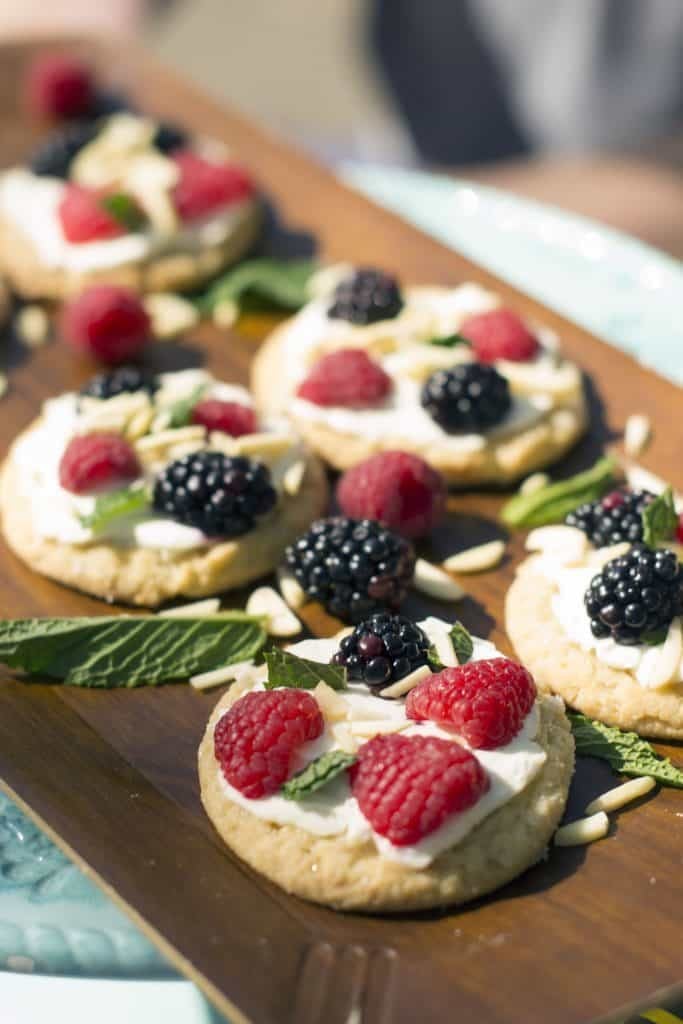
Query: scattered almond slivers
x=332 y=704
x=280 y=620
x=139 y=424
x=406 y=684
x=170 y=314
x=291 y=590
x=583 y=831
x=344 y=738
x=32 y=325
x=637 y=434
x=564 y=544
x=263 y=444
x=533 y=483
x=661 y=665
x=198 y=609
x=476 y=559
x=378 y=726
x=240 y=672
x=431 y=580
x=294 y=477
x=618 y=797
x=225 y=313
x=164 y=438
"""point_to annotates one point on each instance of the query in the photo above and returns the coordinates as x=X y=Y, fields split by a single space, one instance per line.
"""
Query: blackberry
x=56 y=153
x=169 y=136
x=470 y=396
x=366 y=297
x=637 y=594
x=613 y=519
x=220 y=495
x=125 y=378
x=383 y=649
x=354 y=567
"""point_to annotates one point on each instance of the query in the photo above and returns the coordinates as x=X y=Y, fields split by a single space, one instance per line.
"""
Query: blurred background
x=576 y=102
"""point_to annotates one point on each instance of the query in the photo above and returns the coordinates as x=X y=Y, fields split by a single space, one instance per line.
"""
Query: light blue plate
x=52 y=919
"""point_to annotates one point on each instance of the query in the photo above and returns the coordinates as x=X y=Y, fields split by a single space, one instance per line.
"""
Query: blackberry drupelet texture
x=220 y=495
x=53 y=157
x=354 y=567
x=123 y=379
x=613 y=519
x=366 y=297
x=169 y=136
x=470 y=396
x=383 y=649
x=635 y=595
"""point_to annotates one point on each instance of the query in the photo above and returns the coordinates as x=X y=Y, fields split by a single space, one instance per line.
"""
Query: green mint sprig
x=552 y=503
x=625 y=752
x=124 y=210
x=317 y=774
x=450 y=341
x=286 y=669
x=114 y=505
x=262 y=284
x=462 y=643
x=180 y=412
x=660 y=519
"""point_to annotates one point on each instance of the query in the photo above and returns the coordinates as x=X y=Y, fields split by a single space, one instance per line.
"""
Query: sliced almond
x=438 y=634
x=332 y=704
x=637 y=434
x=660 y=665
x=293 y=478
x=195 y=610
x=476 y=559
x=139 y=424
x=170 y=437
x=378 y=726
x=430 y=579
x=32 y=325
x=533 y=483
x=280 y=620
x=264 y=445
x=564 y=544
x=583 y=831
x=170 y=314
x=225 y=313
x=291 y=590
x=239 y=672
x=344 y=738
x=618 y=797
x=403 y=686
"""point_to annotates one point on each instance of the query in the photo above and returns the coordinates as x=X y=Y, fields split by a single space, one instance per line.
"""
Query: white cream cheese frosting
x=333 y=811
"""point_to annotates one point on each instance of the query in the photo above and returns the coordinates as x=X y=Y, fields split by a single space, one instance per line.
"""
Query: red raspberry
x=205 y=186
x=500 y=334
x=256 y=740
x=84 y=218
x=400 y=490
x=346 y=377
x=229 y=417
x=485 y=702
x=108 y=322
x=59 y=86
x=92 y=462
x=406 y=786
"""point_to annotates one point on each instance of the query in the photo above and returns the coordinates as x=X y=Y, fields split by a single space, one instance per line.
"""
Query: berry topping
x=59 y=86
x=354 y=567
x=382 y=650
x=229 y=417
x=485 y=702
x=92 y=462
x=470 y=396
x=123 y=379
x=500 y=334
x=401 y=490
x=169 y=137
x=407 y=786
x=54 y=156
x=220 y=495
x=347 y=377
x=614 y=519
x=84 y=217
x=257 y=738
x=107 y=322
x=366 y=297
x=205 y=187
x=635 y=595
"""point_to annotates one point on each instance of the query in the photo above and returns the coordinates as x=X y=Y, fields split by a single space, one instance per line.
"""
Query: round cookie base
x=328 y=870
x=147 y=576
x=561 y=667
x=173 y=271
x=500 y=463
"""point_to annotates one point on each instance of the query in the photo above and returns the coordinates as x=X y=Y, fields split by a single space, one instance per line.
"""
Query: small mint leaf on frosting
x=181 y=411
x=660 y=519
x=317 y=774
x=262 y=284
x=114 y=505
x=625 y=752
x=124 y=210
x=462 y=643
x=286 y=669
x=552 y=503
x=450 y=341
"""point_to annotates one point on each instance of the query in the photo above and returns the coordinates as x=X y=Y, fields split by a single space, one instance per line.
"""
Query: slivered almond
x=32 y=325
x=344 y=737
x=265 y=445
x=4 y=384
x=139 y=424
x=170 y=437
x=378 y=726
x=280 y=620
x=240 y=671
x=660 y=665
x=430 y=579
x=332 y=705
x=198 y=609
x=476 y=559
x=225 y=313
x=170 y=314
x=566 y=544
x=618 y=797
x=637 y=434
x=534 y=483
x=291 y=590
x=583 y=831
x=294 y=477
x=406 y=684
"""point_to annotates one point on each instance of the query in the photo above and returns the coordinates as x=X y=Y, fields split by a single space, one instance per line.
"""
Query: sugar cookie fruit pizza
x=356 y=774
x=123 y=200
x=445 y=373
x=142 y=488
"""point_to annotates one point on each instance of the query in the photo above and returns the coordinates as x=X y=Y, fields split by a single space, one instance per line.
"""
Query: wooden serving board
x=112 y=776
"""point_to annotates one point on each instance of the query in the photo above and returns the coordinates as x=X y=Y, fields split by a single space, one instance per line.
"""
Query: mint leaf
x=124 y=210
x=181 y=411
x=552 y=503
x=433 y=658
x=450 y=341
x=264 y=284
x=660 y=519
x=317 y=774
x=285 y=669
x=125 y=650
x=462 y=643
x=114 y=505
x=625 y=752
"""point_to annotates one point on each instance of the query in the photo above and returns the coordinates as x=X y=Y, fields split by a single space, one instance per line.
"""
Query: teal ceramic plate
x=52 y=919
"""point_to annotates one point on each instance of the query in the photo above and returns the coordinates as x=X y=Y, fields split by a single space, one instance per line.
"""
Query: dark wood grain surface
x=112 y=774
